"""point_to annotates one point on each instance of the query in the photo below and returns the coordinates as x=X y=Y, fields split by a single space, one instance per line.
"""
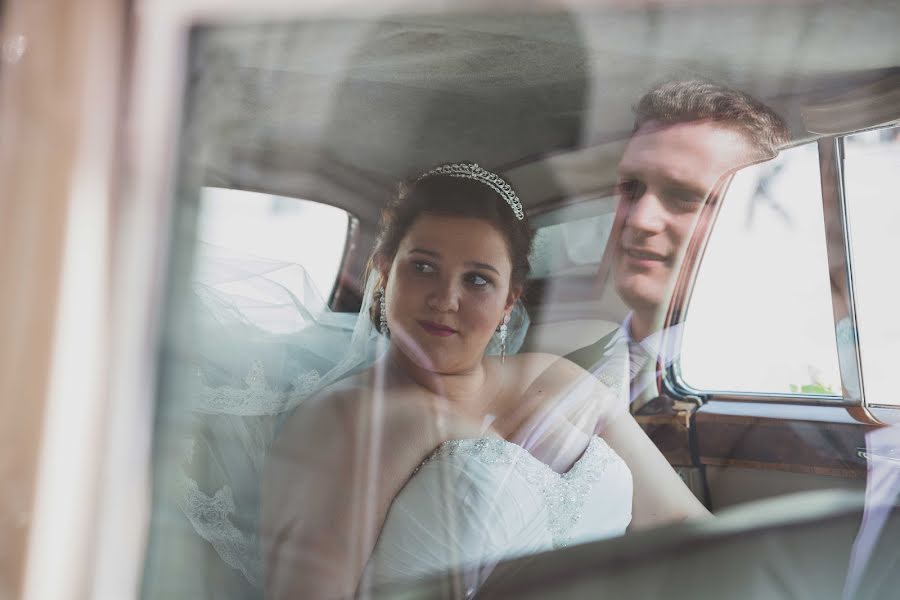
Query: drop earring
x=382 y=321
x=503 y=331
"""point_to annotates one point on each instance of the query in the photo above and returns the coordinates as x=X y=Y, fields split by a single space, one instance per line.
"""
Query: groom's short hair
x=683 y=101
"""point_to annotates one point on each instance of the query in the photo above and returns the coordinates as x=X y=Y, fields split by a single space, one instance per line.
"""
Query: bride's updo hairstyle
x=449 y=196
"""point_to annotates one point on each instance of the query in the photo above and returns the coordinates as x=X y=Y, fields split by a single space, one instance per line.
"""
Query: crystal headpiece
x=492 y=180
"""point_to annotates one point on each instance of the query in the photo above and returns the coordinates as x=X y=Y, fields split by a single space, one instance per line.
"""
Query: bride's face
x=447 y=290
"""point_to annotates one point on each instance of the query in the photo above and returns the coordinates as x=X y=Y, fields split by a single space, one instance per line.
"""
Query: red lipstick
x=436 y=328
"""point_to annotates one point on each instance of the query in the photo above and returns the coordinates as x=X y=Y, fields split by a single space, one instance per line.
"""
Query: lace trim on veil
x=256 y=396
x=210 y=516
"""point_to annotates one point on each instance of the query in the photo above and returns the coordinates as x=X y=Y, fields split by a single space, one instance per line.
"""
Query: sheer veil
x=263 y=341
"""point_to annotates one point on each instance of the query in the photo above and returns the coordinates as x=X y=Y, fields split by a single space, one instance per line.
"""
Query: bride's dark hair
x=449 y=196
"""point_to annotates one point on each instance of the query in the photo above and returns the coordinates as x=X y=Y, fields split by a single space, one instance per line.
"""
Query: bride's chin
x=413 y=355
x=438 y=363
x=430 y=355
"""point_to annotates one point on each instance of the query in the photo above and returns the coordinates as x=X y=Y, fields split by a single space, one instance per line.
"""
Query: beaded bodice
x=564 y=494
x=476 y=501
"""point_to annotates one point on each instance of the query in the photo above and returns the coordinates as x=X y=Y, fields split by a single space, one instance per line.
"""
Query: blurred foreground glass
x=871 y=182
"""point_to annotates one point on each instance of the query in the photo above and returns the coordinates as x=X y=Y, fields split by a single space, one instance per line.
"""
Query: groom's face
x=664 y=178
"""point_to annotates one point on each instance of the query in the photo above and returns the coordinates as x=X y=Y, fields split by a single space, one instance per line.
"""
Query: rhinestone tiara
x=492 y=180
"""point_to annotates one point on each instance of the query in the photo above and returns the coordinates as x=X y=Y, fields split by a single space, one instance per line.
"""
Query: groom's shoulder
x=535 y=360
x=562 y=337
x=542 y=366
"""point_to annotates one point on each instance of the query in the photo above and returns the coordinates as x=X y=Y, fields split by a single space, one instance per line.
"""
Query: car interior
x=334 y=106
x=338 y=111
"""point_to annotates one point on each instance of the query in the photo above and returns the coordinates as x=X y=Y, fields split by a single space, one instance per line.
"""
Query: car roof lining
x=342 y=109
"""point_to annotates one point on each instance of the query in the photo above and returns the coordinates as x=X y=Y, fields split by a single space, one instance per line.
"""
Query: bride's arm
x=328 y=484
x=330 y=479
x=313 y=496
x=660 y=496
x=576 y=401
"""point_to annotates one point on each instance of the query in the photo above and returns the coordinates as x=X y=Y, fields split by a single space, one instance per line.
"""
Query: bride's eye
x=423 y=267
x=477 y=280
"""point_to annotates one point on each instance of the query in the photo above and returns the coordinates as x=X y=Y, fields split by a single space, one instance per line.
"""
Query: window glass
x=871 y=174
x=572 y=239
x=306 y=452
x=760 y=317
x=297 y=232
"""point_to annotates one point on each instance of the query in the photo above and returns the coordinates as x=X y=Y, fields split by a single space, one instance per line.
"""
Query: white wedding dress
x=474 y=502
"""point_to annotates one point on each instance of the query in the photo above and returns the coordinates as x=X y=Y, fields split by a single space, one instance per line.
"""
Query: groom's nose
x=646 y=214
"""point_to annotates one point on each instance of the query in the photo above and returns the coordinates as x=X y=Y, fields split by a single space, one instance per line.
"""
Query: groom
x=687 y=134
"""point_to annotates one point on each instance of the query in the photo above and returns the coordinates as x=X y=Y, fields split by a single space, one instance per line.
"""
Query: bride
x=441 y=455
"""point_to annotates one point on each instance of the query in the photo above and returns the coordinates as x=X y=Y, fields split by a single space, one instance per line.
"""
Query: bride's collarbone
x=410 y=422
x=407 y=424
x=513 y=394
x=402 y=392
x=422 y=419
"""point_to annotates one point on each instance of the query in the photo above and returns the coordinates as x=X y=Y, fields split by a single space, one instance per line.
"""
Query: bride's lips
x=436 y=328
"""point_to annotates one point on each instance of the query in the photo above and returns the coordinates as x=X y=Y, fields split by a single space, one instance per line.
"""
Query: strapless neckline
x=564 y=494
x=473 y=502
x=493 y=449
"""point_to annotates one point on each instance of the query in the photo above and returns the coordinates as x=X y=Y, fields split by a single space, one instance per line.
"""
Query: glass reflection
x=315 y=452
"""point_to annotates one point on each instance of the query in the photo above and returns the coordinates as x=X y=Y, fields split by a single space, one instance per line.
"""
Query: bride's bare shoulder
x=336 y=407
x=401 y=416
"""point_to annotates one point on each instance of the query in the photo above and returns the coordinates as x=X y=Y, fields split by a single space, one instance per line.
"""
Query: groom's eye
x=629 y=189
x=687 y=199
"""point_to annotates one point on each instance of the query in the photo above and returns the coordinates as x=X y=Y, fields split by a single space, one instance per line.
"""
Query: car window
x=296 y=232
x=572 y=239
x=760 y=317
x=298 y=445
x=871 y=163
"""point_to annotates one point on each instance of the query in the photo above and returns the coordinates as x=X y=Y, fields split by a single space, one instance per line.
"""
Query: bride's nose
x=444 y=296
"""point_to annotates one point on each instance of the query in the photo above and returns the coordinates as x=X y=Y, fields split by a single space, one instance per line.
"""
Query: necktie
x=637 y=359
x=641 y=377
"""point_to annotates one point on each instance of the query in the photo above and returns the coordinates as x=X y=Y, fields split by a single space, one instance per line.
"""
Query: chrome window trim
x=831 y=151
